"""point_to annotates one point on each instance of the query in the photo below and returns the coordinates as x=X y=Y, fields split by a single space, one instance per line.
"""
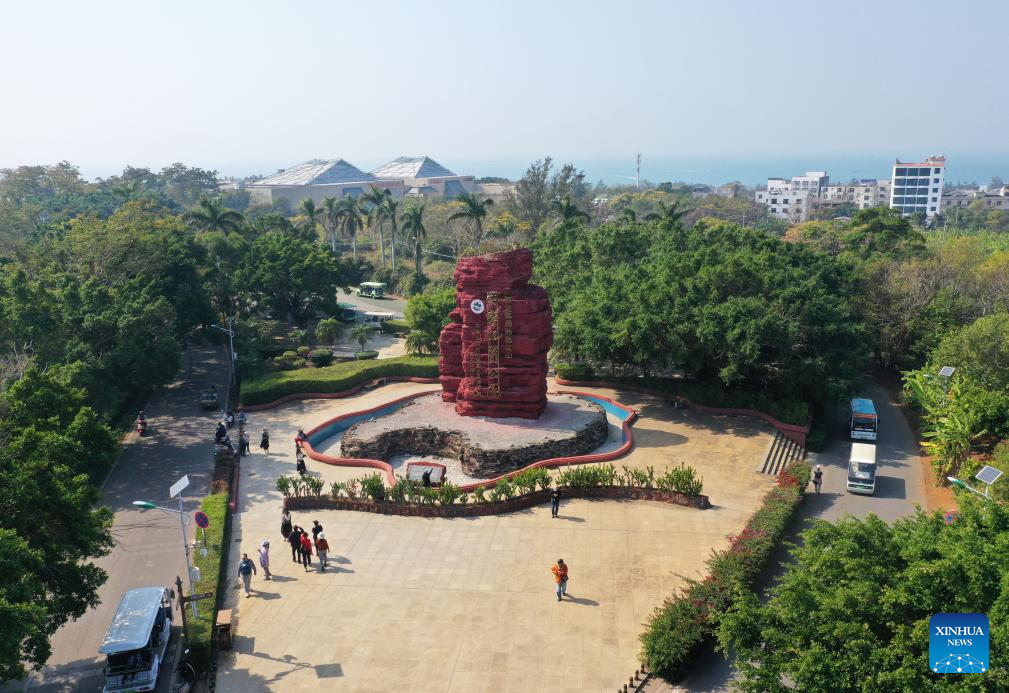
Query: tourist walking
x=246 y=569
x=264 y=442
x=300 y=464
x=316 y=531
x=264 y=559
x=818 y=478
x=555 y=501
x=560 y=571
x=322 y=548
x=294 y=539
x=285 y=524
x=306 y=550
x=246 y=442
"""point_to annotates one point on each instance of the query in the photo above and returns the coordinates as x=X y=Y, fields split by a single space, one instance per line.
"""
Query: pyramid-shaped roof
x=412 y=167
x=318 y=172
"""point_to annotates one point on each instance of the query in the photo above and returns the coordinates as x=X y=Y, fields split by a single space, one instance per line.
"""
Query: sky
x=701 y=89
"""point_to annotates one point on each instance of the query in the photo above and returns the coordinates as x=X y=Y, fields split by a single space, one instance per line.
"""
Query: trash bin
x=224 y=629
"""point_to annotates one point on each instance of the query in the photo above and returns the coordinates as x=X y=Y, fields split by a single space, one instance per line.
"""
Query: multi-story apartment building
x=864 y=193
x=997 y=199
x=790 y=205
x=791 y=198
x=917 y=187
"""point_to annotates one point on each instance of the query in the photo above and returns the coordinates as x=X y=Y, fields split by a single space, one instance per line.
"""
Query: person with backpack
x=322 y=548
x=818 y=478
x=246 y=569
x=560 y=571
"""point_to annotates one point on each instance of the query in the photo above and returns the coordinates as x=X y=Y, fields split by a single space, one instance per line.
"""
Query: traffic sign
x=202 y=521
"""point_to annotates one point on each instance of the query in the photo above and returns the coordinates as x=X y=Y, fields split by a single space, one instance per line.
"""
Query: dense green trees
x=293 y=277
x=427 y=313
x=851 y=612
x=52 y=449
x=717 y=301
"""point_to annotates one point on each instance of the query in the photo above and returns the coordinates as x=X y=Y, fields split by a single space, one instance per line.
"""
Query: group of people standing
x=222 y=438
x=302 y=547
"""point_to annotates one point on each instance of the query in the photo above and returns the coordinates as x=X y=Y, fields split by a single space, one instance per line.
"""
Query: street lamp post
x=229 y=330
x=176 y=490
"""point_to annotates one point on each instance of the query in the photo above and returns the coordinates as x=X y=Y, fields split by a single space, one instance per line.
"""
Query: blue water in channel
x=320 y=437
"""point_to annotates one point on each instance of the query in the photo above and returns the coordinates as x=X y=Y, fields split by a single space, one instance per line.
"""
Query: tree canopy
x=851 y=611
x=717 y=301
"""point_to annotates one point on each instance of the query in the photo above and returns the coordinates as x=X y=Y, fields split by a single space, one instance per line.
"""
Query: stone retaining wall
x=496 y=507
x=477 y=461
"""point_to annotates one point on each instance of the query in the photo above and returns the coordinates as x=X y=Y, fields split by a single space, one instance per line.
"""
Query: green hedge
x=335 y=378
x=711 y=394
x=678 y=629
x=213 y=574
x=395 y=326
x=365 y=355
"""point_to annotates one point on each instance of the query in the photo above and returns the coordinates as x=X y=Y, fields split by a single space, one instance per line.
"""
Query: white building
x=791 y=198
x=319 y=179
x=917 y=187
x=864 y=193
x=790 y=205
x=422 y=176
x=995 y=199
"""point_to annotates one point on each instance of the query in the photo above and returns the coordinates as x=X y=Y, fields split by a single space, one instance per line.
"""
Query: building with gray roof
x=422 y=176
x=319 y=179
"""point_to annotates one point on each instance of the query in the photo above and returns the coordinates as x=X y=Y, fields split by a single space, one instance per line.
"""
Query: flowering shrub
x=685 y=621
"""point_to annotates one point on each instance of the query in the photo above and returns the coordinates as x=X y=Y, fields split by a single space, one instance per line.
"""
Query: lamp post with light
x=176 y=490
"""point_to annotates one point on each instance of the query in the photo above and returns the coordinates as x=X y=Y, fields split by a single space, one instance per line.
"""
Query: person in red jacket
x=560 y=571
x=306 y=550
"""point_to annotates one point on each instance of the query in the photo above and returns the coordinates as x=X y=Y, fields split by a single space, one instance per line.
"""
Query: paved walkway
x=416 y=604
x=148 y=547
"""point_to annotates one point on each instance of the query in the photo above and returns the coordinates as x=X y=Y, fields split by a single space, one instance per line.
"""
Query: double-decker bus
x=863 y=421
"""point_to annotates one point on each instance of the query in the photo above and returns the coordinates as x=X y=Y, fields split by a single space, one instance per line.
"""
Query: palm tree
x=349 y=214
x=331 y=218
x=670 y=213
x=474 y=210
x=413 y=224
x=564 y=210
x=390 y=211
x=328 y=330
x=362 y=333
x=376 y=216
x=213 y=216
x=312 y=214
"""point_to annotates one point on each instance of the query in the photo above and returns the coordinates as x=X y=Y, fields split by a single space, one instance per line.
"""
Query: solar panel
x=988 y=475
x=946 y=371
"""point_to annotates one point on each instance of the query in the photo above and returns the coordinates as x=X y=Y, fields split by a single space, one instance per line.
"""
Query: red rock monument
x=494 y=352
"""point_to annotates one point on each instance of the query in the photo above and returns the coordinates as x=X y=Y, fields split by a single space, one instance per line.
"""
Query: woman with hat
x=264 y=558
x=322 y=548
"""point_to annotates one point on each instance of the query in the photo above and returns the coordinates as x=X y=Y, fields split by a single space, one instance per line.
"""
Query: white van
x=862 y=469
x=135 y=644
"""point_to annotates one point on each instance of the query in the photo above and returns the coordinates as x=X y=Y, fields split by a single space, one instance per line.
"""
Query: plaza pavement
x=418 y=604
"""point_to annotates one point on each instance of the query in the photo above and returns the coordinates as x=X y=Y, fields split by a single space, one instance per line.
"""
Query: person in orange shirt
x=560 y=571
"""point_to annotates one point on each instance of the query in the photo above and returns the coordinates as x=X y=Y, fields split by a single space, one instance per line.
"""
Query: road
x=385 y=305
x=148 y=547
x=899 y=488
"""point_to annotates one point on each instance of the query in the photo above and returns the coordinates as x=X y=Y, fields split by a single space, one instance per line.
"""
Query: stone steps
x=782 y=451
